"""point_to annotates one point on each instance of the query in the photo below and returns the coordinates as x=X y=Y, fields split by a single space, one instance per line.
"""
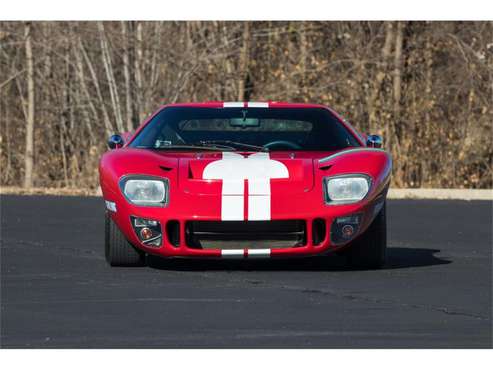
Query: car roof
x=249 y=104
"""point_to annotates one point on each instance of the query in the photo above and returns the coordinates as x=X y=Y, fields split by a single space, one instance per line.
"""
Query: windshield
x=246 y=129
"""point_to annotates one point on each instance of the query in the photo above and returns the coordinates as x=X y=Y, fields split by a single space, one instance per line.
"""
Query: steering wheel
x=282 y=143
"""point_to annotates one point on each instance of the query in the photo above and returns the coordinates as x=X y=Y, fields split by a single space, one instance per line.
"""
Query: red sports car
x=245 y=180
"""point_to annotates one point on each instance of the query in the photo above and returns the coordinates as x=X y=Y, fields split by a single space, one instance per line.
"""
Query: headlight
x=144 y=191
x=346 y=189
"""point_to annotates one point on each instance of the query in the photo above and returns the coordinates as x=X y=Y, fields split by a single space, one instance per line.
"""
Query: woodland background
x=427 y=87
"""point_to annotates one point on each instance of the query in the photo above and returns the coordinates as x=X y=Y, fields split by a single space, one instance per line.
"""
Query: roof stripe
x=233 y=104
x=250 y=104
x=253 y=104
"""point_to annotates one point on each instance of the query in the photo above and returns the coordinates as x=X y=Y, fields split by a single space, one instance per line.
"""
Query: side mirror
x=374 y=141
x=115 y=142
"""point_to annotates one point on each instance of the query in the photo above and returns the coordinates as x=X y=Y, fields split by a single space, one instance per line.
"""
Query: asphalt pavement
x=58 y=292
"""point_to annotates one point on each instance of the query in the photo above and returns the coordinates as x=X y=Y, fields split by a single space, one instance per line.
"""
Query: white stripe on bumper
x=258 y=253
x=232 y=253
x=240 y=253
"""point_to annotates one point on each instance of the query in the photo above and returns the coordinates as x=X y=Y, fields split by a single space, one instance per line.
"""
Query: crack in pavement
x=353 y=297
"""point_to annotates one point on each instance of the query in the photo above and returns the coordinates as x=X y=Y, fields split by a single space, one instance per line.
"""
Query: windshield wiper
x=188 y=147
x=233 y=144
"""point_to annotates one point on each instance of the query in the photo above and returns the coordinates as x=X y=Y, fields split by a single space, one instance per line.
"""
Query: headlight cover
x=346 y=189
x=145 y=191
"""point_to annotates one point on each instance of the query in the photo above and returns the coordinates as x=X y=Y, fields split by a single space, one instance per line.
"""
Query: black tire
x=118 y=251
x=369 y=250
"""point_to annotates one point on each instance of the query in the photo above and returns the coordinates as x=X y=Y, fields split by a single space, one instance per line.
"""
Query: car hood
x=261 y=173
x=233 y=172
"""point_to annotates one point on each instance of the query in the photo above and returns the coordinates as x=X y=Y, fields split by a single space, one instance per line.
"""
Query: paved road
x=57 y=291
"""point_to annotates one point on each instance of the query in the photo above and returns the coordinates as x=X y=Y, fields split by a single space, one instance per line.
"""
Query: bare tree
x=426 y=82
x=244 y=61
x=108 y=67
x=139 y=56
x=126 y=73
x=29 y=153
x=381 y=73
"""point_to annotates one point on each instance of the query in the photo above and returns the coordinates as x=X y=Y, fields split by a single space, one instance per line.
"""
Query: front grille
x=245 y=234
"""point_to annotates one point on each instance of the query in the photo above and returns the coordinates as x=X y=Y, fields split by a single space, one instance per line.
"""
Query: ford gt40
x=245 y=180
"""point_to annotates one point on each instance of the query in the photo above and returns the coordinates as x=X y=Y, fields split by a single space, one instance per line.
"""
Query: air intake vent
x=173 y=231
x=246 y=234
x=319 y=231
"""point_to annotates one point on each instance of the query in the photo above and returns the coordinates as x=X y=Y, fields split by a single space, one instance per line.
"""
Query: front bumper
x=317 y=235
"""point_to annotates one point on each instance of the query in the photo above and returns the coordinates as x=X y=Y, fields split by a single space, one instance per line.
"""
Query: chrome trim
x=150 y=240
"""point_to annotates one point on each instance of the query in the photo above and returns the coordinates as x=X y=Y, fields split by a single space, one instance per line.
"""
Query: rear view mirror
x=244 y=122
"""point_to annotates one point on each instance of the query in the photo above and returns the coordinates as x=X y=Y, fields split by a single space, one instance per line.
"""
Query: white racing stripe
x=232 y=253
x=240 y=104
x=253 y=104
x=233 y=104
x=233 y=169
x=240 y=253
x=258 y=207
x=258 y=253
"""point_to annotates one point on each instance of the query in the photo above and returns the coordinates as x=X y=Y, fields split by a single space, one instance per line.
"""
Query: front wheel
x=118 y=251
x=368 y=251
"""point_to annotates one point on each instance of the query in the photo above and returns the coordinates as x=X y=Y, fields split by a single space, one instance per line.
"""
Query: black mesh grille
x=246 y=234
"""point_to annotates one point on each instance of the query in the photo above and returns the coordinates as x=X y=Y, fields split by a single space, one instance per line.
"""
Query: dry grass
x=49 y=191
x=462 y=194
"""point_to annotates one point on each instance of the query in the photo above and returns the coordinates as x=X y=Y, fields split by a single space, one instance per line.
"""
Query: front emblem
x=257 y=169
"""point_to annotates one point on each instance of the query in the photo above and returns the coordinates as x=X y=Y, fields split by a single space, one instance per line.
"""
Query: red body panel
x=191 y=197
